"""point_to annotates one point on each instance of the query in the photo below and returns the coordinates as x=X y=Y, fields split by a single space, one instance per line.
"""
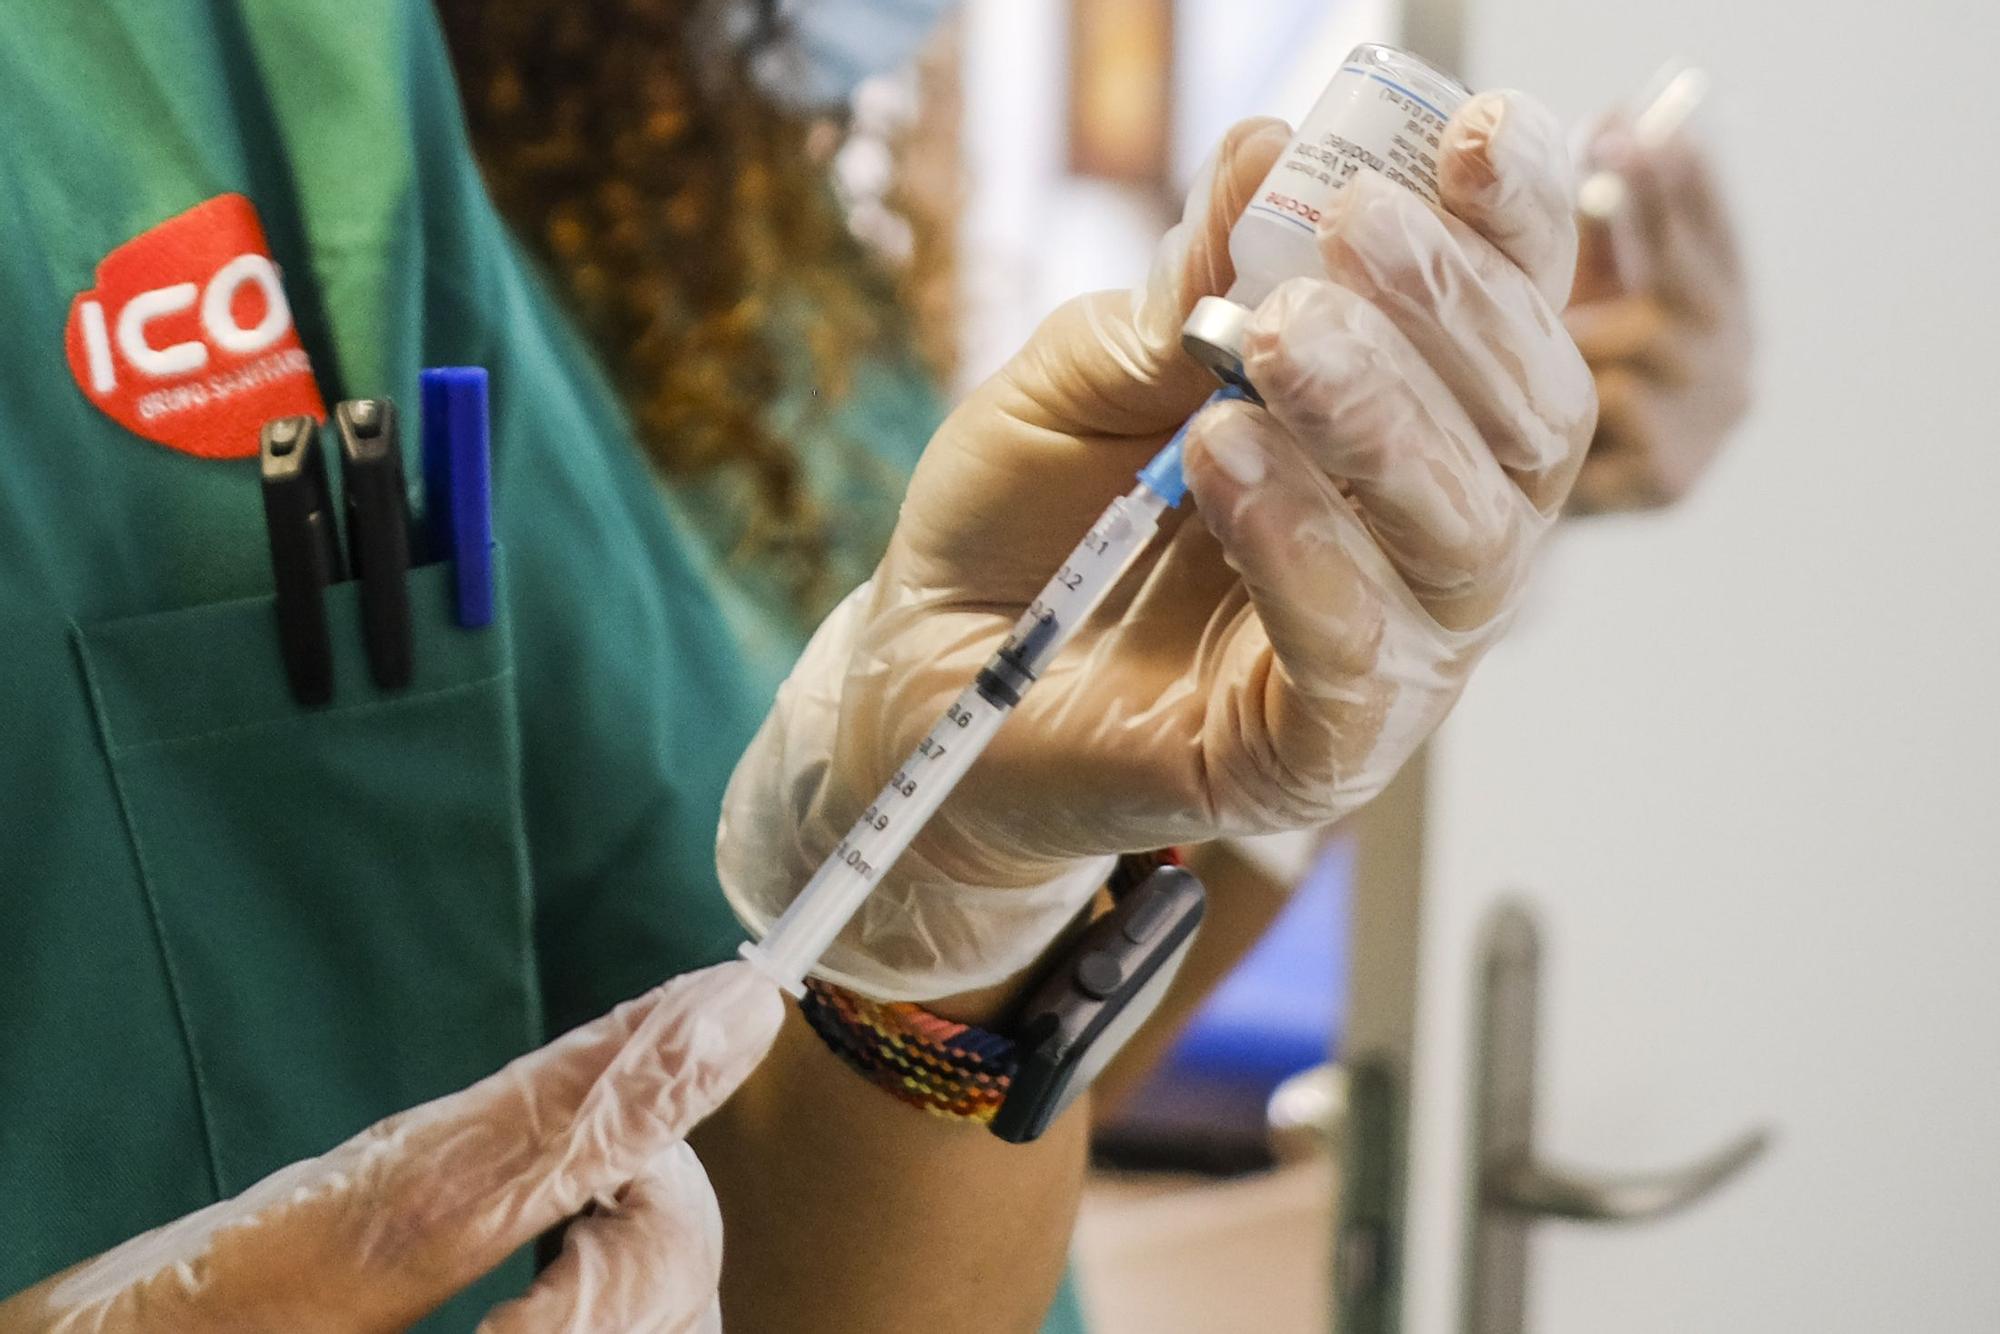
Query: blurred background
x=1737 y=762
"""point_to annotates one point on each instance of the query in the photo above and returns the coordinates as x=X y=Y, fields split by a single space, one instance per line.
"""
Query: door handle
x=1545 y=1190
x=1512 y=1186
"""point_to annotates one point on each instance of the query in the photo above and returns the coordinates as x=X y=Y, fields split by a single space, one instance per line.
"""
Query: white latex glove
x=1279 y=652
x=1662 y=314
x=383 y=1229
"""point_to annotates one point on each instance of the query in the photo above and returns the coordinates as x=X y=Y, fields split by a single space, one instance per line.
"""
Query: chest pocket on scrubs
x=342 y=893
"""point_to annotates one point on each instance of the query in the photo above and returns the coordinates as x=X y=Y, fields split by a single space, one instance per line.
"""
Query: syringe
x=1603 y=193
x=1385 y=110
x=915 y=791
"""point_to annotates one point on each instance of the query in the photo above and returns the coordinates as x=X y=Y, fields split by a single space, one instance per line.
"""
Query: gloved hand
x=1662 y=316
x=1279 y=652
x=384 y=1228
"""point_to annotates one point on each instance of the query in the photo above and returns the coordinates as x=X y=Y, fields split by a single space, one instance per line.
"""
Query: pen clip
x=305 y=550
x=378 y=534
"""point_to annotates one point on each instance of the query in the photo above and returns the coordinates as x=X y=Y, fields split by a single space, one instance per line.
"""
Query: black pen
x=305 y=550
x=378 y=534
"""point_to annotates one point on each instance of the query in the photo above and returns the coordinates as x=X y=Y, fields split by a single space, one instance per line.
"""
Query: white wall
x=1747 y=756
x=1033 y=234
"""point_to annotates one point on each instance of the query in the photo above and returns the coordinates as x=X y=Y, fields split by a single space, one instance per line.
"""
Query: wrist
x=992 y=1004
x=1013 y=1057
x=922 y=936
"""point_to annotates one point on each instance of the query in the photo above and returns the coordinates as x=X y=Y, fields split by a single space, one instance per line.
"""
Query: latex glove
x=380 y=1231
x=1662 y=315
x=1271 y=662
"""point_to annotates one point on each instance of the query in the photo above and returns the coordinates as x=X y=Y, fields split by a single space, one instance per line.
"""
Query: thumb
x=489 y=1169
x=1193 y=259
x=648 y=1261
x=1601 y=266
x=1603 y=221
x=1111 y=363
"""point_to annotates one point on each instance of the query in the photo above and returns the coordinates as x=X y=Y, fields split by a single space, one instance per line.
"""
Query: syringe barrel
x=1384 y=110
x=885 y=830
x=883 y=833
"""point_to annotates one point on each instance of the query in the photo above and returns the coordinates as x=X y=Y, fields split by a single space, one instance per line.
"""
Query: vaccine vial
x=1385 y=110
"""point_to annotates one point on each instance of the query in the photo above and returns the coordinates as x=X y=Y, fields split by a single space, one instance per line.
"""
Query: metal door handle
x=1545 y=1190
x=1513 y=1187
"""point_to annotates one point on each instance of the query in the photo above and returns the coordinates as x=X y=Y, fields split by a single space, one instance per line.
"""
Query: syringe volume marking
x=809 y=925
x=853 y=858
x=1025 y=650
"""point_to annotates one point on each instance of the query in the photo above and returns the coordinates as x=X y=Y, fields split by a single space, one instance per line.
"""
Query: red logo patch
x=187 y=338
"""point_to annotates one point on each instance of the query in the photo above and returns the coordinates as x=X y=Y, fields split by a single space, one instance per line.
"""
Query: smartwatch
x=1018 y=1077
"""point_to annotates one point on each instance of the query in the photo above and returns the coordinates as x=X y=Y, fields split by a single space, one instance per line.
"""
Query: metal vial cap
x=1213 y=336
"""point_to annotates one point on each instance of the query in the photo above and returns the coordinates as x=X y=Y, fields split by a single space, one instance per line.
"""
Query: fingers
x=1340 y=673
x=1632 y=331
x=1600 y=263
x=469 y=1179
x=1645 y=455
x=648 y=1262
x=1674 y=189
x=1504 y=170
x=1280 y=521
x=1432 y=381
x=1686 y=245
x=1369 y=411
x=1475 y=317
x=386 y=1227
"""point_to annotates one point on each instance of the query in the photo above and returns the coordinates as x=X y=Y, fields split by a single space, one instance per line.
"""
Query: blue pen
x=458 y=486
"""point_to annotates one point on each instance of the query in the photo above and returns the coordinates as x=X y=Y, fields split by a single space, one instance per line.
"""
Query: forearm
x=846 y=1210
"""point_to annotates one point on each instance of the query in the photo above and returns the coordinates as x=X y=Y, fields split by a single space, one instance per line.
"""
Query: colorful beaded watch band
x=949 y=1069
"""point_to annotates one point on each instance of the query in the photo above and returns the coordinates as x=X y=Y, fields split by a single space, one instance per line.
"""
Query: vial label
x=1364 y=120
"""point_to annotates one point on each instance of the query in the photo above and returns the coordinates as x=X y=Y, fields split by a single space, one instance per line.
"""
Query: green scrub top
x=239 y=931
